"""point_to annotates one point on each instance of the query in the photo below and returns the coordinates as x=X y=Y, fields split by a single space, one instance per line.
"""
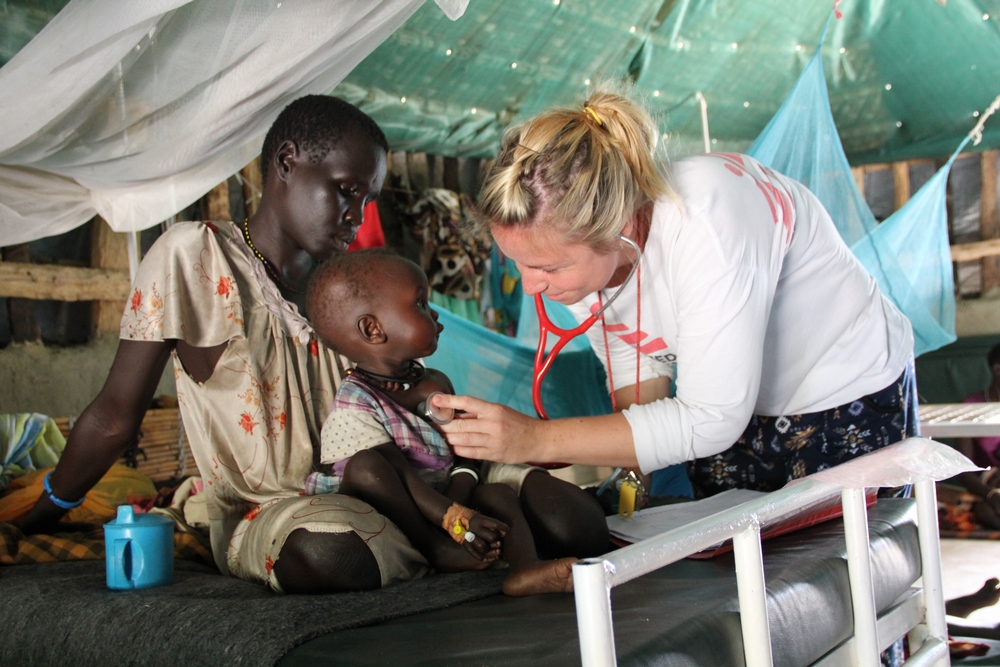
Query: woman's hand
x=491 y=431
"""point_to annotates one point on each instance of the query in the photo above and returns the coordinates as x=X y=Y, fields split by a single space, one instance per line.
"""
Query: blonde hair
x=588 y=169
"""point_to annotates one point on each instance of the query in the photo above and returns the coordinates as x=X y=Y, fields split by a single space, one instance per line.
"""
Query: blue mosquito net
x=908 y=253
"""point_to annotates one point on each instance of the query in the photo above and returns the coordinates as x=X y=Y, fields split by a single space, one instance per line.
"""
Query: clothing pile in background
x=31 y=445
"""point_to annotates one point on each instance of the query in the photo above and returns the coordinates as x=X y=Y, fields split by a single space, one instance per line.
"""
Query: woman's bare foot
x=545 y=576
x=987 y=596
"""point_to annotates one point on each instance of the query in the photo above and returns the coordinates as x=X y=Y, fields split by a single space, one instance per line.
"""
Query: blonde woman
x=786 y=357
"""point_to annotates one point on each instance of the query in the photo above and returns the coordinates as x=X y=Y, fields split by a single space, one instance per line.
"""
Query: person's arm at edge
x=105 y=428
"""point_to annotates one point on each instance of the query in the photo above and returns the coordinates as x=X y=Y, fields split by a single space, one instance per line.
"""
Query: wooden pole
x=989 y=224
x=253 y=185
x=108 y=250
x=450 y=178
x=901 y=183
x=215 y=204
x=859 y=178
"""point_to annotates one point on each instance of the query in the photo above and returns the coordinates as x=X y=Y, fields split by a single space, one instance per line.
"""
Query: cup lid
x=128 y=517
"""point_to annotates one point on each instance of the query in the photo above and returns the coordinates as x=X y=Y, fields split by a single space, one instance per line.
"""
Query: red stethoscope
x=542 y=362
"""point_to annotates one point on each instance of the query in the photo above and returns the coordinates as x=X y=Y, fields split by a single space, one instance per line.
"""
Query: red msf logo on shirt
x=633 y=338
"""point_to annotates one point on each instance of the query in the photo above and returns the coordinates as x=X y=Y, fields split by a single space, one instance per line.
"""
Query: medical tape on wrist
x=456 y=522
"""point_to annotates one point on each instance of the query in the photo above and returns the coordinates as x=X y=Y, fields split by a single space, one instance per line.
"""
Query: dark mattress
x=684 y=614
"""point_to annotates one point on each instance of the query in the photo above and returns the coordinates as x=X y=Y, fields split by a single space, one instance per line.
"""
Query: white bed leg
x=753 y=597
x=593 y=614
x=930 y=557
x=860 y=570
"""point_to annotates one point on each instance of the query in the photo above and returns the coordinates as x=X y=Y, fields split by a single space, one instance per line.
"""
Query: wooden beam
x=450 y=176
x=108 y=250
x=970 y=252
x=253 y=185
x=24 y=280
x=901 y=183
x=418 y=171
x=989 y=223
x=21 y=312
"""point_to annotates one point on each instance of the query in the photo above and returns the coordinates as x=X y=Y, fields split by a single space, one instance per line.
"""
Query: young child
x=372 y=306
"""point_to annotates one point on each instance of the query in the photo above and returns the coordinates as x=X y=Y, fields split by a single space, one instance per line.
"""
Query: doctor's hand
x=491 y=431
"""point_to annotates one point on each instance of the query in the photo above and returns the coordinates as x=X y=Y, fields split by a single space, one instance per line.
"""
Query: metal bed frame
x=960 y=420
x=921 y=613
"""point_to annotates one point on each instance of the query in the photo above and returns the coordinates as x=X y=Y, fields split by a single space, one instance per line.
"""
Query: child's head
x=323 y=159
x=372 y=306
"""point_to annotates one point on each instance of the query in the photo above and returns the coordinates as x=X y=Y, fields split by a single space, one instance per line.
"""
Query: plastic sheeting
x=908 y=254
x=906 y=462
x=133 y=110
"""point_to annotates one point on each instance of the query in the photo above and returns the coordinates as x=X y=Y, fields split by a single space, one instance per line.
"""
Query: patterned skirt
x=775 y=450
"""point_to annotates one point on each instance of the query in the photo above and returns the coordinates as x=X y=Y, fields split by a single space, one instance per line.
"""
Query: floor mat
x=63 y=614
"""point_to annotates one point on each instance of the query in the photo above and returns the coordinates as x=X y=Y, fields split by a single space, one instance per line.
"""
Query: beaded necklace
x=409 y=379
x=271 y=271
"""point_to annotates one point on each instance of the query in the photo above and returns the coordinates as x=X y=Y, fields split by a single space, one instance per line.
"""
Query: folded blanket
x=82 y=542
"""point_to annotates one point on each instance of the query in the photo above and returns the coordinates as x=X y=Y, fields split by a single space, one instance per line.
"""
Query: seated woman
x=372 y=306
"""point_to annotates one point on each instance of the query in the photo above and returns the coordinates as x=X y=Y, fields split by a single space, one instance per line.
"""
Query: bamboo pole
x=989 y=224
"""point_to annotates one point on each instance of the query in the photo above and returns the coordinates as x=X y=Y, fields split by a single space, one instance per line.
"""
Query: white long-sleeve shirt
x=753 y=303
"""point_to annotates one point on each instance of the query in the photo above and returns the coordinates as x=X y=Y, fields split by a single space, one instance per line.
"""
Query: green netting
x=941 y=63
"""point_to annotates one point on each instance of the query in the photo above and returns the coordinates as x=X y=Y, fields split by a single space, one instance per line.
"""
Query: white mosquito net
x=133 y=110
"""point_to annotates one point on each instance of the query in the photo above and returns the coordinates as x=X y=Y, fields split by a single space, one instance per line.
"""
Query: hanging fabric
x=908 y=254
x=133 y=110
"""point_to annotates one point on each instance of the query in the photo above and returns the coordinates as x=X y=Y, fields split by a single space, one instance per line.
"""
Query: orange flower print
x=136 y=300
x=281 y=420
x=252 y=514
x=225 y=284
x=269 y=564
x=314 y=347
x=247 y=422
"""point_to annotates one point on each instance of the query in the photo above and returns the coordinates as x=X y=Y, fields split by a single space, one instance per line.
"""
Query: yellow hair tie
x=593 y=114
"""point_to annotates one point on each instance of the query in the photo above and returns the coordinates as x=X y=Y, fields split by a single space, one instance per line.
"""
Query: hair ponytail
x=587 y=169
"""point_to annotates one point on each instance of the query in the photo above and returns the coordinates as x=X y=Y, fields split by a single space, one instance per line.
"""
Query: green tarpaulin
x=905 y=77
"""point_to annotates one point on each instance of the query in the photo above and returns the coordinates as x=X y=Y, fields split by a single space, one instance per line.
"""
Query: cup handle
x=119 y=559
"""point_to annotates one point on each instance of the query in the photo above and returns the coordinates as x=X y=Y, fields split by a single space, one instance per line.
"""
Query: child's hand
x=489 y=532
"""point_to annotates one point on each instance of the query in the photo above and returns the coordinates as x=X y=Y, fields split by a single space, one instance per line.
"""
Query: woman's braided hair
x=587 y=169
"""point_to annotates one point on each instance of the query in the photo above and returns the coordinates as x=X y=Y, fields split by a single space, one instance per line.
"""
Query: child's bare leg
x=528 y=574
x=564 y=519
x=434 y=505
x=370 y=477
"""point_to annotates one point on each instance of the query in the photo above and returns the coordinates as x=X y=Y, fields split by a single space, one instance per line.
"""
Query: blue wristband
x=59 y=502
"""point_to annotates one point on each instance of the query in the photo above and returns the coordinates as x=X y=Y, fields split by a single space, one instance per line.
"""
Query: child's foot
x=545 y=576
x=451 y=556
x=987 y=596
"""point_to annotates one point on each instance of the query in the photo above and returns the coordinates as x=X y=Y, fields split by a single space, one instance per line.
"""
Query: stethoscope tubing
x=545 y=326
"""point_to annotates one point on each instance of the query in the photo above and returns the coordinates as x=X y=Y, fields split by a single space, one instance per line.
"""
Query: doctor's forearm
x=599 y=441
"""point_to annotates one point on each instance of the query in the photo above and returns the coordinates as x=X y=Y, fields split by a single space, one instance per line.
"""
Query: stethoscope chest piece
x=436 y=415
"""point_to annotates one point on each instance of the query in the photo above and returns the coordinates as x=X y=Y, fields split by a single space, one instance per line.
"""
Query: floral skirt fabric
x=775 y=450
